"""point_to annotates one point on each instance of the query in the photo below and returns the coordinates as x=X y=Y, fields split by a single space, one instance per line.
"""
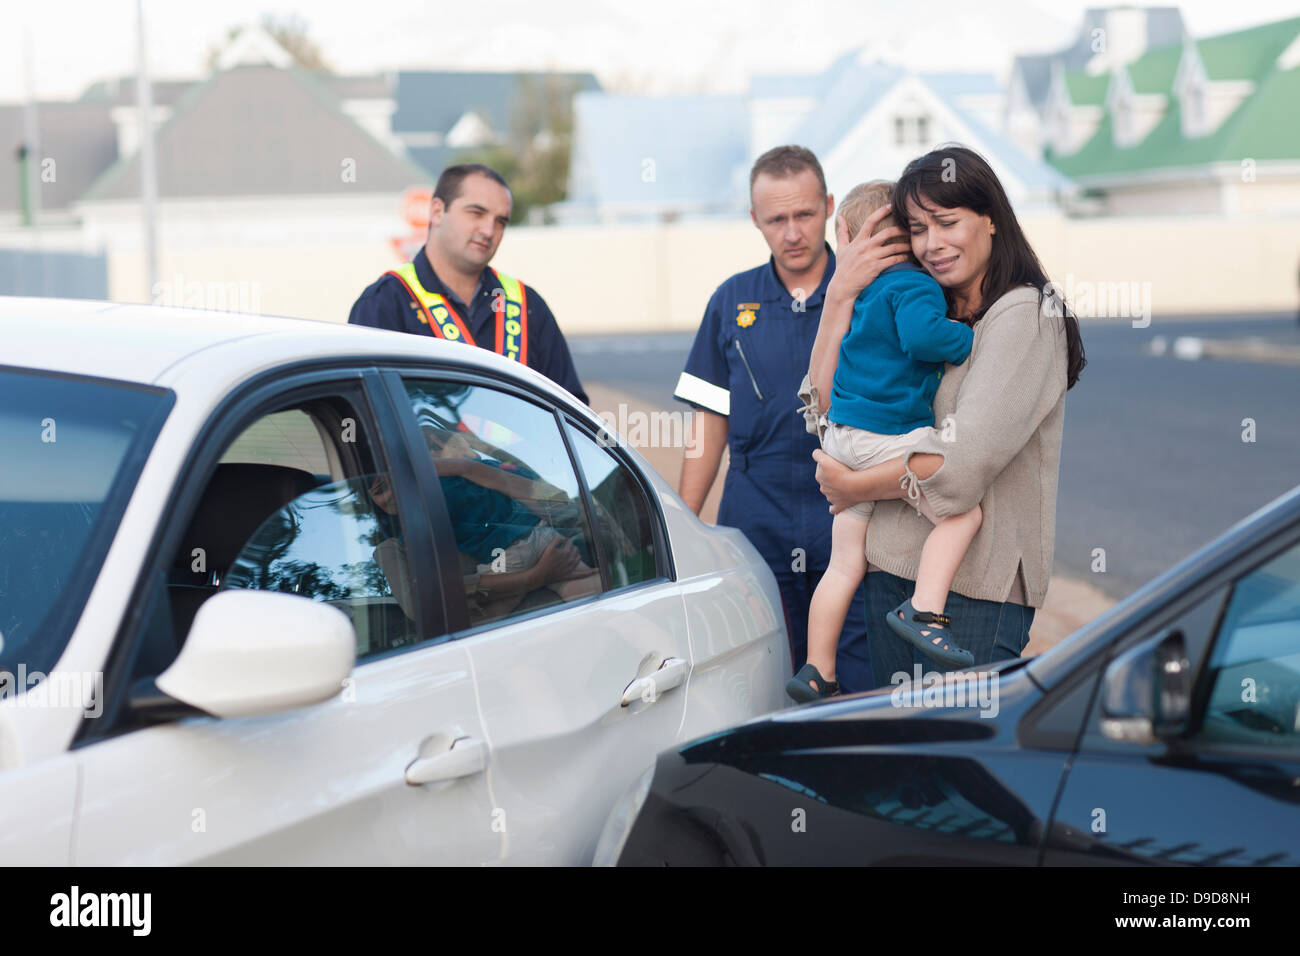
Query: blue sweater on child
x=892 y=357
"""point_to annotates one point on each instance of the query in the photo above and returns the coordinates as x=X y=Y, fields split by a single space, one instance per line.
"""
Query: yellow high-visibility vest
x=511 y=308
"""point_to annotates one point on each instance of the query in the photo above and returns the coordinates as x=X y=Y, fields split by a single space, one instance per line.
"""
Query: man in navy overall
x=744 y=370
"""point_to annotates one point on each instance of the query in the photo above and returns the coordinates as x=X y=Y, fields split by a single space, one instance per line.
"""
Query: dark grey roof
x=80 y=138
x=372 y=86
x=120 y=91
x=432 y=159
x=259 y=130
x=1164 y=27
x=432 y=102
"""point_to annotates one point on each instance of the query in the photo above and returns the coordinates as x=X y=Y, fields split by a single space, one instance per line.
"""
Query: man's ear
x=752 y=217
x=436 y=209
x=830 y=205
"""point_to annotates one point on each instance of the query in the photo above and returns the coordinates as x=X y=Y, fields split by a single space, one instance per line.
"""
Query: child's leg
x=830 y=602
x=944 y=549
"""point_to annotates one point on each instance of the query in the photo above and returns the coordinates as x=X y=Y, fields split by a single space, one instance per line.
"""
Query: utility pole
x=29 y=153
x=148 y=173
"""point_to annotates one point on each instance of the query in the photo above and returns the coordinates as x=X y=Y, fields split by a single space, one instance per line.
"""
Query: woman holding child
x=992 y=457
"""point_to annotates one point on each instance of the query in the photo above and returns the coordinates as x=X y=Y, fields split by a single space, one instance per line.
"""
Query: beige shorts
x=861 y=449
x=522 y=553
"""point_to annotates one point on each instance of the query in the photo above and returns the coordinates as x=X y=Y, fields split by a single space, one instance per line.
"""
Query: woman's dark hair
x=955 y=177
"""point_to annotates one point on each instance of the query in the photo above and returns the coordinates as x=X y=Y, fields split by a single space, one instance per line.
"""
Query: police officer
x=449 y=290
x=749 y=358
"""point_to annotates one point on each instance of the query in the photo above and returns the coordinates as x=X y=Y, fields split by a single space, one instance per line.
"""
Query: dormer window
x=1194 y=106
x=1123 y=113
x=912 y=130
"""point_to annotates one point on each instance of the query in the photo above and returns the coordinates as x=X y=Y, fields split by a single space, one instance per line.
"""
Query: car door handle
x=466 y=757
x=670 y=674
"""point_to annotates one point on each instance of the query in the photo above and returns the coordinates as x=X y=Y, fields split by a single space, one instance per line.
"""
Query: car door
x=581 y=681
x=1226 y=791
x=306 y=493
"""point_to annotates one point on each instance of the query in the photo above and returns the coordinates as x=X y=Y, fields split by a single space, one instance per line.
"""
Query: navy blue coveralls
x=749 y=357
x=385 y=304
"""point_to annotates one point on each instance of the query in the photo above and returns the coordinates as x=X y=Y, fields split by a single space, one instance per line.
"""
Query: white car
x=286 y=592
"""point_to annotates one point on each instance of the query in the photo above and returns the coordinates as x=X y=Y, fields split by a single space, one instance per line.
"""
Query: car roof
x=146 y=344
x=1248 y=536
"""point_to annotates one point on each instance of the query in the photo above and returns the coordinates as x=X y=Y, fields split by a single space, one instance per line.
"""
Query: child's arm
x=498 y=479
x=826 y=351
x=924 y=329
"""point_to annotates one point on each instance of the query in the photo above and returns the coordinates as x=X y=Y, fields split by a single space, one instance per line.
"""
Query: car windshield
x=72 y=450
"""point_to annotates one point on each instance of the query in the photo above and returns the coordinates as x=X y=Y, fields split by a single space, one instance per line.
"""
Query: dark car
x=1167 y=731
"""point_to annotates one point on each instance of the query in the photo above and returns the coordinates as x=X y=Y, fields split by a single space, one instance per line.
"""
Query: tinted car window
x=334 y=544
x=277 y=516
x=521 y=531
x=622 y=513
x=1254 y=674
x=72 y=450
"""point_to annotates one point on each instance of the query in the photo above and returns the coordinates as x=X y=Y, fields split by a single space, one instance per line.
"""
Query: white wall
x=659 y=277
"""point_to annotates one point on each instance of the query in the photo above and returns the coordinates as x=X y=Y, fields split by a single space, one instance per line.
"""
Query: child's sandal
x=799 y=688
x=906 y=621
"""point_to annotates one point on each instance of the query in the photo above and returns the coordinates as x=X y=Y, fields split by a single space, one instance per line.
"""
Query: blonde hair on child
x=864 y=199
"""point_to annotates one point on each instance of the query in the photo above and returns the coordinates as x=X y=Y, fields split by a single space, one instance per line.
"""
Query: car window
x=521 y=531
x=1254 y=673
x=276 y=516
x=623 y=517
x=72 y=450
x=288 y=438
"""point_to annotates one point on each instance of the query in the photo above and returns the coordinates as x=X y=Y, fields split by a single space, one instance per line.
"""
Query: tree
x=292 y=32
x=535 y=157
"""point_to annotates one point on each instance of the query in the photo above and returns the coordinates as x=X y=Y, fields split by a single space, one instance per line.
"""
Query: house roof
x=1086 y=90
x=261 y=130
x=1257 y=129
x=1154 y=71
x=433 y=101
x=80 y=138
x=856 y=88
x=1246 y=54
x=1038 y=177
x=696 y=145
x=1164 y=26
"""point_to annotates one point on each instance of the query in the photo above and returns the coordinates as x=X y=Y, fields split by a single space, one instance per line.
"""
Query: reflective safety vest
x=510 y=305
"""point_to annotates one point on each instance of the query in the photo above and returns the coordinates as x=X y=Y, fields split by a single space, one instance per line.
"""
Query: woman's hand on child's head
x=860 y=259
x=829 y=474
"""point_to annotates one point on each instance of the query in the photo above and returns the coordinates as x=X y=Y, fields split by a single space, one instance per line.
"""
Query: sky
x=653 y=46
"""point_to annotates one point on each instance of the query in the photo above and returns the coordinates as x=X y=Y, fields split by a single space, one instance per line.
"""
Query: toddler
x=881 y=396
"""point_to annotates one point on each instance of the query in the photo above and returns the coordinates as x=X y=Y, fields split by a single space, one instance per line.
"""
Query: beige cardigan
x=998 y=422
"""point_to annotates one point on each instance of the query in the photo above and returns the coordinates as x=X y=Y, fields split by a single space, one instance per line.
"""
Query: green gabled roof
x=1086 y=90
x=1253 y=131
x=1153 y=72
x=1247 y=54
x=1260 y=128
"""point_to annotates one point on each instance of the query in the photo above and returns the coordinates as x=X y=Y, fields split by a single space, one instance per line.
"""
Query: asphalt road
x=1153 y=463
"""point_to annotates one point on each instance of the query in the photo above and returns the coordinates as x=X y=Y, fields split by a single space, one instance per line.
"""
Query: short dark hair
x=453 y=178
x=782 y=162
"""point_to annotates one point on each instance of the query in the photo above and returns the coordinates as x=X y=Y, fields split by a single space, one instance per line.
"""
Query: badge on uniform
x=746 y=315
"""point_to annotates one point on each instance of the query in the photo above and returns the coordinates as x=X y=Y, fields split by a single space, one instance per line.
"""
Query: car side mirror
x=1147 y=691
x=251 y=653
